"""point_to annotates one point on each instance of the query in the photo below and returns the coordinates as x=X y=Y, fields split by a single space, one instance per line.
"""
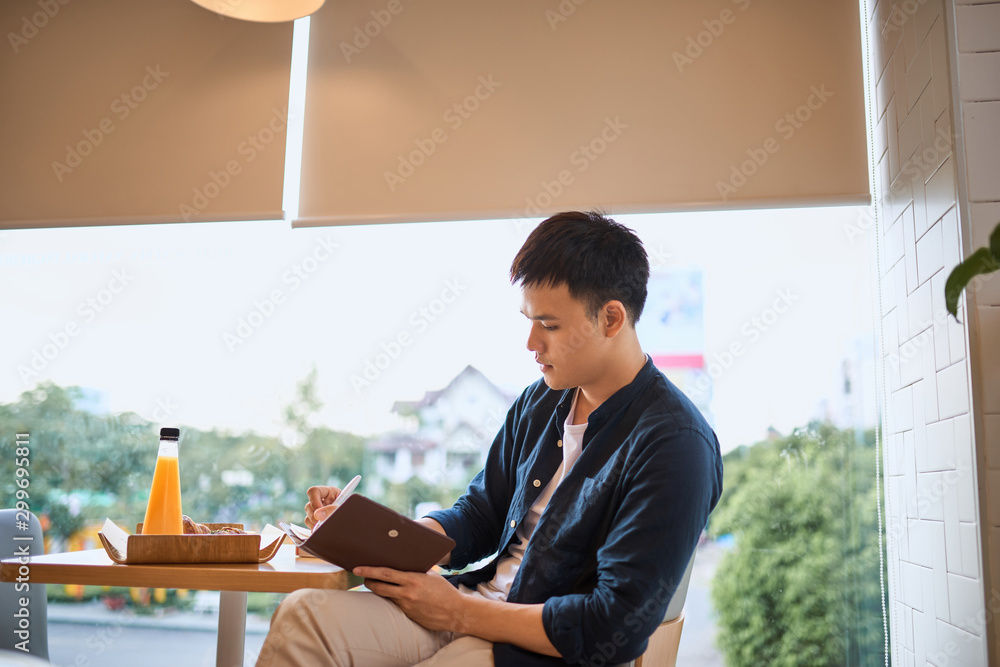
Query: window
x=290 y=358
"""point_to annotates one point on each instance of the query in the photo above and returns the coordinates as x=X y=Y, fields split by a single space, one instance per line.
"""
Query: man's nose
x=533 y=343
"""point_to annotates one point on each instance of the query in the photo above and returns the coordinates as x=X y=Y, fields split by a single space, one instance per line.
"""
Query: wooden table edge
x=214 y=578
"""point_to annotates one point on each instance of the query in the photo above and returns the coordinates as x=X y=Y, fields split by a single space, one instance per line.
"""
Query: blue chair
x=13 y=616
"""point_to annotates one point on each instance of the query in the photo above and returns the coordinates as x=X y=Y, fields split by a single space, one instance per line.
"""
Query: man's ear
x=614 y=318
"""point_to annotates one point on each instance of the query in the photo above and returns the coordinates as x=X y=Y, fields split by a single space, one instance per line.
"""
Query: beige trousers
x=315 y=627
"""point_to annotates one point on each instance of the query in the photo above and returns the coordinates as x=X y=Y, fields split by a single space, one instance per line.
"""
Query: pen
x=348 y=490
x=339 y=500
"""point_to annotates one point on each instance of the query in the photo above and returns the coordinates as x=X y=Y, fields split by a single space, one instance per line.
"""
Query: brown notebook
x=363 y=532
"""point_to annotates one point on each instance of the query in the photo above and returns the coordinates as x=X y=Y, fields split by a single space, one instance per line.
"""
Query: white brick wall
x=936 y=392
x=978 y=52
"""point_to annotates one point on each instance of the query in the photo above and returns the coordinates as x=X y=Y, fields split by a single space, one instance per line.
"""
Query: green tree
x=326 y=457
x=86 y=467
x=307 y=403
x=322 y=456
x=801 y=585
x=256 y=479
x=82 y=466
x=232 y=478
x=405 y=497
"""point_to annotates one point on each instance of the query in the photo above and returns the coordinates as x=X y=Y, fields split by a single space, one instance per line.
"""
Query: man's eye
x=552 y=328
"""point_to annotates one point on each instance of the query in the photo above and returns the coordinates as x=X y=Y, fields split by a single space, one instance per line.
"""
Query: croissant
x=192 y=527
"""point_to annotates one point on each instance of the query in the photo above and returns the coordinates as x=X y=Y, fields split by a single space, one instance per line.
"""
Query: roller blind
x=131 y=111
x=468 y=109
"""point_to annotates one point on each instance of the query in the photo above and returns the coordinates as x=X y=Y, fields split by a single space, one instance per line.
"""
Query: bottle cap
x=170 y=434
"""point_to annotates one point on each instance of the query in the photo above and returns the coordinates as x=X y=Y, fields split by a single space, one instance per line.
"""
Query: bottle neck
x=167 y=448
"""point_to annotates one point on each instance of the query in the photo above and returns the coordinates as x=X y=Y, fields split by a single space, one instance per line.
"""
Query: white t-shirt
x=572 y=445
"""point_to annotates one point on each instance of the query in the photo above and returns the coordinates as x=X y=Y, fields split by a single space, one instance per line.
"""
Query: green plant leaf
x=995 y=242
x=980 y=262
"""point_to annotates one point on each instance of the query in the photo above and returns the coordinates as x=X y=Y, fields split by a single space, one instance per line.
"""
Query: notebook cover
x=363 y=532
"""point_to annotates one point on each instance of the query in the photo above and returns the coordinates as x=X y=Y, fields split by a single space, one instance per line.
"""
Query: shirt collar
x=618 y=399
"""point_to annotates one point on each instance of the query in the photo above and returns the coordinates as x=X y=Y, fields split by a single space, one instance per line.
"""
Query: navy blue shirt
x=612 y=545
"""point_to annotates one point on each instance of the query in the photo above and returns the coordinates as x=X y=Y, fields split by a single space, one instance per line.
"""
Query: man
x=591 y=501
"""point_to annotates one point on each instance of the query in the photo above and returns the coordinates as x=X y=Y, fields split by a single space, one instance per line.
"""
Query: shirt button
x=559 y=444
x=537 y=483
x=513 y=523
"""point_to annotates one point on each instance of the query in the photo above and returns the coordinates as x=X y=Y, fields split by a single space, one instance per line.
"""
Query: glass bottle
x=163 y=512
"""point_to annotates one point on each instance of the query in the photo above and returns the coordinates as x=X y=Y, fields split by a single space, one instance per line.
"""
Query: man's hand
x=319 y=498
x=426 y=598
x=430 y=600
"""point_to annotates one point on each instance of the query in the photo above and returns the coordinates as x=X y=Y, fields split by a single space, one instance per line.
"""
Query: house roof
x=431 y=397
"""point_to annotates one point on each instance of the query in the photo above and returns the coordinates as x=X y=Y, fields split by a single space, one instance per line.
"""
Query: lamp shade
x=263 y=11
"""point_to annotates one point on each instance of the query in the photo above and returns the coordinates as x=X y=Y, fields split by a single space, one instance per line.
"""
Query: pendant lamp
x=263 y=11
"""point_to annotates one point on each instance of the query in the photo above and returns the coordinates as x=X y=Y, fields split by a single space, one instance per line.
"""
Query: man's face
x=568 y=345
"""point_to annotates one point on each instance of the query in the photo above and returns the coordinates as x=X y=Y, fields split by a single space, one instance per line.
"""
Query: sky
x=212 y=325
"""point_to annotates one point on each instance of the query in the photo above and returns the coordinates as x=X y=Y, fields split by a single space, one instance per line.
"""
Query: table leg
x=232 y=629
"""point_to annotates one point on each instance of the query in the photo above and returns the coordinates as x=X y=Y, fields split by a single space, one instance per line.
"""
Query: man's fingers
x=320 y=496
x=385 y=574
x=382 y=588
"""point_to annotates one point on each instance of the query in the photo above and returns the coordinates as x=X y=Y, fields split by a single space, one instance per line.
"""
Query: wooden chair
x=663 y=645
x=664 y=642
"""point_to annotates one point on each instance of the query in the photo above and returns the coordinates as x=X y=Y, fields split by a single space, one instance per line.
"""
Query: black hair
x=598 y=259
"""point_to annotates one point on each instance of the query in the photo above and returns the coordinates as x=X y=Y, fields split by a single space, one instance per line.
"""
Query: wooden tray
x=220 y=548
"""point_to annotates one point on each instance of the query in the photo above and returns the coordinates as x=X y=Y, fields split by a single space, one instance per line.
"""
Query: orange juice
x=163 y=512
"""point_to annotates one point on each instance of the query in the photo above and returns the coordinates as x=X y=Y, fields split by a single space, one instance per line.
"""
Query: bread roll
x=193 y=528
